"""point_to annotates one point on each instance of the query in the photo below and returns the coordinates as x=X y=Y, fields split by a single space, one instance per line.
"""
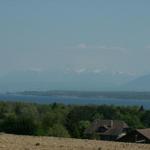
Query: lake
x=74 y=100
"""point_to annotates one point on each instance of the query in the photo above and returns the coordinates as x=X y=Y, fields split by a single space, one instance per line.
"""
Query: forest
x=61 y=120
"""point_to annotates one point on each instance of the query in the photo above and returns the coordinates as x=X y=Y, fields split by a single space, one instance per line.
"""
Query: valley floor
x=15 y=142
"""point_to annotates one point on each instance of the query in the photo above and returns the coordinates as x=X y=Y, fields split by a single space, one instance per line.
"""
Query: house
x=109 y=130
x=137 y=136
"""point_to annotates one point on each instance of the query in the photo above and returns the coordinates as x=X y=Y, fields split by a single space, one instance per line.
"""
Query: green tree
x=19 y=125
x=82 y=126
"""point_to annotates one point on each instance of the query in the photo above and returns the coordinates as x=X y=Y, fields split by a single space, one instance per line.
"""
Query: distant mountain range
x=139 y=84
x=72 y=80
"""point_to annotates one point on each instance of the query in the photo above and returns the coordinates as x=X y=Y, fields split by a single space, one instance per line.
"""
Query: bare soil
x=15 y=142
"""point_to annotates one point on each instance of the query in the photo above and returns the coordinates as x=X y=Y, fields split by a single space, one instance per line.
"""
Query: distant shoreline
x=91 y=94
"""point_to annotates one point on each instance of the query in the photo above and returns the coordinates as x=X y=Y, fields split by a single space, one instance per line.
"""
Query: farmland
x=19 y=142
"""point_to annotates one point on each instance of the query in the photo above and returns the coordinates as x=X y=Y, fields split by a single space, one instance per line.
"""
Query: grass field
x=14 y=142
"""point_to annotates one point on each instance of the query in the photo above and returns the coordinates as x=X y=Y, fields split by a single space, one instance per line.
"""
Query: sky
x=75 y=34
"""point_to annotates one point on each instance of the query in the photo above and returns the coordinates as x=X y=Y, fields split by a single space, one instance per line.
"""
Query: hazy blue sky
x=78 y=34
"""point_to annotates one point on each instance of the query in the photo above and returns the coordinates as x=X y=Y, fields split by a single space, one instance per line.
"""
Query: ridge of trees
x=64 y=120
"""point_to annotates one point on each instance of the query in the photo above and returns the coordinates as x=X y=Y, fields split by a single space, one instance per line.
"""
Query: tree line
x=61 y=120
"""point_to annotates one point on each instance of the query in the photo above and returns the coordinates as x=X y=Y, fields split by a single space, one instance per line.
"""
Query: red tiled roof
x=114 y=127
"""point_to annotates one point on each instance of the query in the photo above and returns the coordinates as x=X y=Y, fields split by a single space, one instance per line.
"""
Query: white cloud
x=77 y=70
x=82 y=46
x=113 y=48
x=98 y=47
x=81 y=70
x=97 y=71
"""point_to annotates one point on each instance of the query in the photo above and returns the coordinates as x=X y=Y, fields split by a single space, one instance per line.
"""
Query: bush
x=58 y=131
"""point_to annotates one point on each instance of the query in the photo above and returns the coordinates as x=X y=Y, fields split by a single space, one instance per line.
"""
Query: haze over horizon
x=77 y=36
